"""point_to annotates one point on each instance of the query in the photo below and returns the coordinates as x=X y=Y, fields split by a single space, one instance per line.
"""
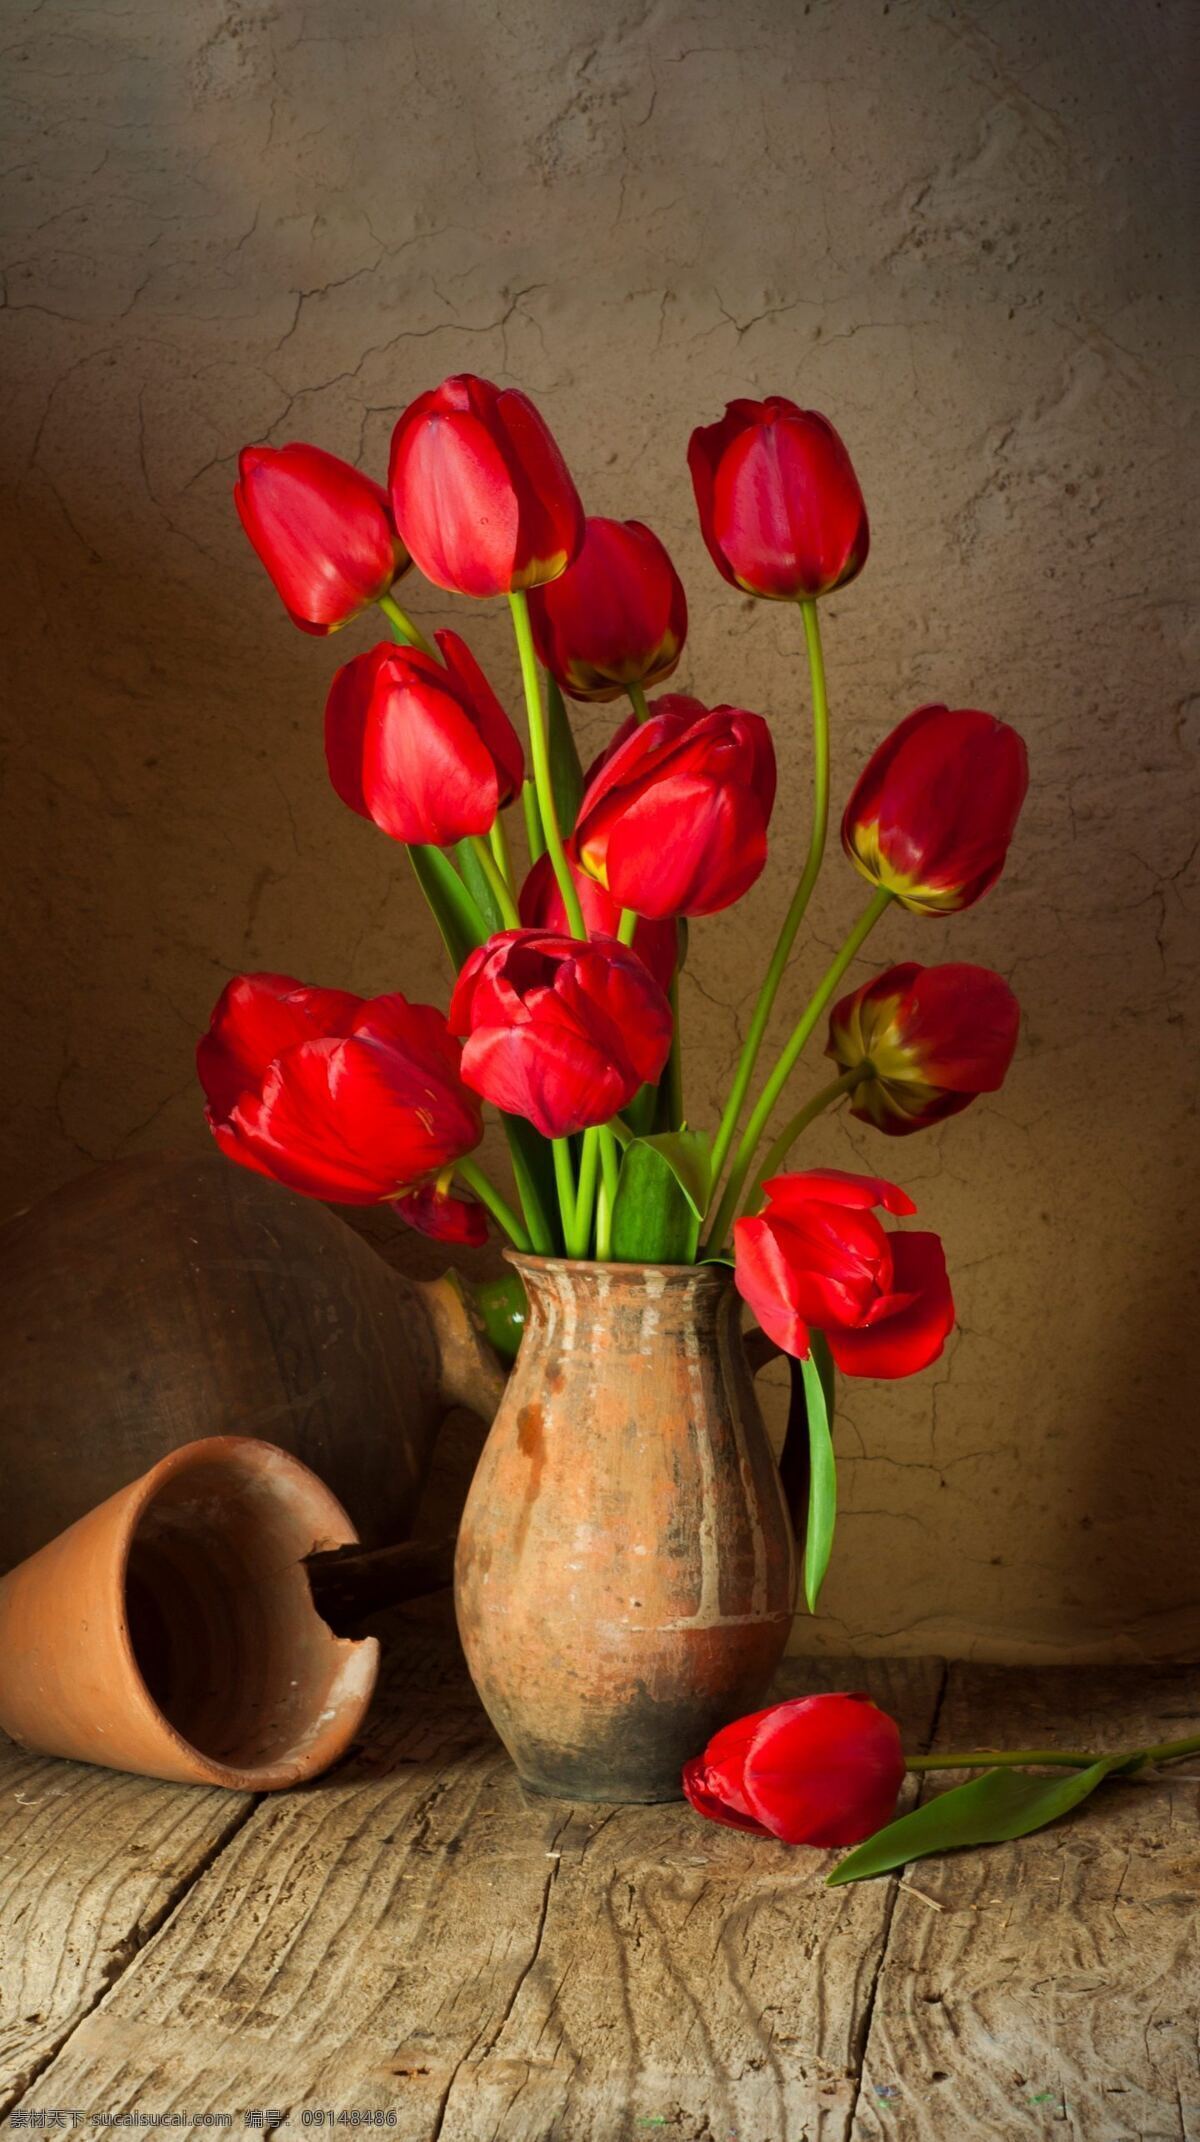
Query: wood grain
x=414 y=1933
x=91 y=1862
x=1051 y=1986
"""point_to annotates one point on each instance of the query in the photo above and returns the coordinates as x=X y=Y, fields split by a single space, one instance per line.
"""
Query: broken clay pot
x=172 y=1631
x=626 y=1569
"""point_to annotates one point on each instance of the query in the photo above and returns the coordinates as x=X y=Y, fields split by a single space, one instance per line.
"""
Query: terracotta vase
x=626 y=1571
x=201 y=1299
x=171 y=1631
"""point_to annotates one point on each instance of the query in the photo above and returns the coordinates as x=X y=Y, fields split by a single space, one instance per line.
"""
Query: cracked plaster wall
x=957 y=228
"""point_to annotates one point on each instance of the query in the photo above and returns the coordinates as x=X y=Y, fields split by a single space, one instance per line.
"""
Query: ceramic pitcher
x=626 y=1570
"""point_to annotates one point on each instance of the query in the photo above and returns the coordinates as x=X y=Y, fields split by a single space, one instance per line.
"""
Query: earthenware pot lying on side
x=626 y=1569
x=172 y=1632
x=200 y=1297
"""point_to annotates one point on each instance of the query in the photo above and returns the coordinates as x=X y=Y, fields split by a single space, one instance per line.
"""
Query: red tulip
x=560 y=1031
x=481 y=494
x=818 y=1257
x=616 y=617
x=426 y=751
x=779 y=503
x=934 y=1038
x=339 y=1096
x=822 y=1770
x=323 y=530
x=674 y=816
x=933 y=812
x=542 y=908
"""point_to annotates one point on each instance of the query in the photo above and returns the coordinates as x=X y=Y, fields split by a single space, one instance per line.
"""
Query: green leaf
x=455 y=911
x=688 y=1154
x=989 y=1810
x=533 y=1167
x=825 y=1368
x=653 y=1220
x=566 y=773
x=822 y=1482
x=475 y=878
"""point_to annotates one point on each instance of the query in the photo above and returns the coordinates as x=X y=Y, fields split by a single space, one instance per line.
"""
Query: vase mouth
x=612 y=1268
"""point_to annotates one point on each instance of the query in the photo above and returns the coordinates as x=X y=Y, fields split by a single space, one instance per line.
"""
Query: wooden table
x=413 y=1938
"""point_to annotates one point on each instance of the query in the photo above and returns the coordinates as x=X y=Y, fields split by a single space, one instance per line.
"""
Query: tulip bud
x=779 y=503
x=933 y=1038
x=481 y=494
x=817 y=1257
x=674 y=816
x=821 y=1770
x=425 y=750
x=616 y=617
x=341 y=1097
x=934 y=810
x=542 y=908
x=561 y=1031
x=323 y=530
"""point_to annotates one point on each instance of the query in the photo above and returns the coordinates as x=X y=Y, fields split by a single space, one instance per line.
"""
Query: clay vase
x=171 y=1631
x=164 y=1298
x=626 y=1571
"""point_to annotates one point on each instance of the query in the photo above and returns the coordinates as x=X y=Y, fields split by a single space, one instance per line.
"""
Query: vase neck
x=634 y=1303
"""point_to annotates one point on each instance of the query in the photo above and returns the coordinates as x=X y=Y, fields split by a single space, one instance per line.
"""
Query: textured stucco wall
x=960 y=230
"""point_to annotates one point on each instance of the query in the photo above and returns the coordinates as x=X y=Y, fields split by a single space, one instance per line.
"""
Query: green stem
x=500 y=891
x=498 y=838
x=604 y=1206
x=403 y=626
x=531 y=679
x=538 y=1219
x=1168 y=1751
x=564 y=1176
x=637 y=700
x=800 y=1122
x=800 y=898
x=675 y=1060
x=534 y=836
x=627 y=926
x=761 y=1114
x=499 y=1208
x=581 y=1233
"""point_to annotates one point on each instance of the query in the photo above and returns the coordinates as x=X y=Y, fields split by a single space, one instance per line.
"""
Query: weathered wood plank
x=413 y=1934
x=1051 y=1985
x=91 y=1862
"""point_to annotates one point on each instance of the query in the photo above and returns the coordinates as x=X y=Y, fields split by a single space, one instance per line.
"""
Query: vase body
x=625 y=1577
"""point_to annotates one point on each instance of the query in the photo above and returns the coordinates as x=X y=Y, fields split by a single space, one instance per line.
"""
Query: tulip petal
x=258 y=1017
x=454 y=502
x=908 y=1340
x=765 y=1282
x=427 y=775
x=714 y=864
x=824 y=1770
x=836 y=1186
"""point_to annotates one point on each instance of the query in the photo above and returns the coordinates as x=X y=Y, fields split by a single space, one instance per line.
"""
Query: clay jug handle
x=793 y=1458
x=469 y=1371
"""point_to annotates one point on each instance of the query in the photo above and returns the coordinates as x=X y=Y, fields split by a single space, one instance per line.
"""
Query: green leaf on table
x=822 y=1480
x=475 y=878
x=991 y=1809
x=566 y=773
x=455 y=910
x=655 y=1219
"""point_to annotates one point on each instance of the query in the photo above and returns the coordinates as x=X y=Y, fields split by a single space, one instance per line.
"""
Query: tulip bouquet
x=563 y=1014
